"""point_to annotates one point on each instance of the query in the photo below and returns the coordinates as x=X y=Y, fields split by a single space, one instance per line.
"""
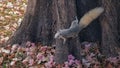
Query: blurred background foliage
x=11 y=15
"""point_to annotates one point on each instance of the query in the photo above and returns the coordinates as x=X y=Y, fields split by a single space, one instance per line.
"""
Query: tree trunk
x=110 y=35
x=38 y=23
x=118 y=18
x=66 y=13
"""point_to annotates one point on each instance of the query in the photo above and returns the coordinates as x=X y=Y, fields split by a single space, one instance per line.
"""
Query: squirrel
x=76 y=26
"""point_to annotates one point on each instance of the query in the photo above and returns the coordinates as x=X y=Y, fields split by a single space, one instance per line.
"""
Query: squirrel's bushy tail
x=90 y=16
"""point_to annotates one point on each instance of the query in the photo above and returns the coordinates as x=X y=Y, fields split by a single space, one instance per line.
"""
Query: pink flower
x=26 y=49
x=28 y=43
x=31 y=62
x=66 y=64
x=79 y=65
x=87 y=45
x=48 y=65
x=25 y=60
x=39 y=56
x=33 y=44
x=33 y=48
x=77 y=62
x=89 y=58
x=51 y=58
x=44 y=48
x=71 y=62
x=12 y=63
x=30 y=53
x=14 y=47
x=71 y=57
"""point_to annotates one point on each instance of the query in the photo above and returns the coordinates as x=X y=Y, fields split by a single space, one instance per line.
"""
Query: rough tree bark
x=118 y=18
x=66 y=13
x=38 y=23
x=110 y=37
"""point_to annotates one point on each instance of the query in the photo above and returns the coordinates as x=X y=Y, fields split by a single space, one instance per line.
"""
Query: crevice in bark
x=109 y=22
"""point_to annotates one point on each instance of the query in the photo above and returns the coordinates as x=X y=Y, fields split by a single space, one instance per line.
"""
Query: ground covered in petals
x=11 y=15
x=39 y=56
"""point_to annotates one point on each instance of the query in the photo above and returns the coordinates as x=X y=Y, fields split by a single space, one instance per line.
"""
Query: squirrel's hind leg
x=64 y=39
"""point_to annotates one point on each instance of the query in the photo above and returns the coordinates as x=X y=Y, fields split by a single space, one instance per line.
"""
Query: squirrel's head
x=75 y=21
x=57 y=35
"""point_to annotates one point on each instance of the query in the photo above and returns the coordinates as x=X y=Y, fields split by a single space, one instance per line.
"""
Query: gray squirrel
x=76 y=26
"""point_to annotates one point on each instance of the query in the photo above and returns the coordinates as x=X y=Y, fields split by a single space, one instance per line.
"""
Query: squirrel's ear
x=76 y=17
